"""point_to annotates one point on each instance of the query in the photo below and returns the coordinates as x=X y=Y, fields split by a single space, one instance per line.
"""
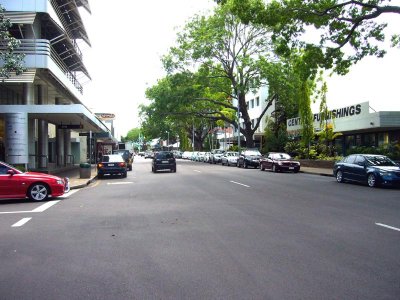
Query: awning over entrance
x=73 y=116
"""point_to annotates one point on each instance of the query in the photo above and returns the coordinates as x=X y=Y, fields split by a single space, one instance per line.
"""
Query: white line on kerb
x=239 y=183
x=115 y=183
x=21 y=222
x=387 y=226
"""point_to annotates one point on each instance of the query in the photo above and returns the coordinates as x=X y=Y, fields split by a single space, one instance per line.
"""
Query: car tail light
x=100 y=166
x=122 y=164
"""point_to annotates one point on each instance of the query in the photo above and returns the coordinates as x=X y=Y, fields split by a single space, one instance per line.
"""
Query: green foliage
x=11 y=62
x=132 y=135
x=228 y=55
x=275 y=139
x=350 y=30
x=391 y=150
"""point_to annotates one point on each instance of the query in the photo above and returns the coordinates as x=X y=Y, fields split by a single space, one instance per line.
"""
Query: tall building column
x=43 y=134
x=67 y=146
x=60 y=147
x=28 y=98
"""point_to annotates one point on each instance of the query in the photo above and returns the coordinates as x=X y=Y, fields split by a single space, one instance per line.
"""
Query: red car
x=278 y=162
x=35 y=186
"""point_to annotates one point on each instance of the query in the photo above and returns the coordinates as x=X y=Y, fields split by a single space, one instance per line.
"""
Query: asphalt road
x=205 y=232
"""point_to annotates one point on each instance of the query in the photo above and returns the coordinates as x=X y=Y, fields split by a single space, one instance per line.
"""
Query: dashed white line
x=197 y=171
x=21 y=222
x=116 y=183
x=240 y=183
x=45 y=206
x=387 y=226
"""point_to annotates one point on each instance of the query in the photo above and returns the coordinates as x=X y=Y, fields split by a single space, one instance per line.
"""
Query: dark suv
x=163 y=160
x=128 y=157
x=249 y=158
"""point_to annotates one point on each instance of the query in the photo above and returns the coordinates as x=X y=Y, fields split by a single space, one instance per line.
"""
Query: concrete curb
x=79 y=186
x=314 y=173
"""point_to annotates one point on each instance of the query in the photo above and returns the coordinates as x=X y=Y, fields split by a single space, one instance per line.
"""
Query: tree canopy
x=350 y=30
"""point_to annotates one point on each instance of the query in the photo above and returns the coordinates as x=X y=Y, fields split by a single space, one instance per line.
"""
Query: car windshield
x=380 y=161
x=251 y=153
x=281 y=156
x=112 y=158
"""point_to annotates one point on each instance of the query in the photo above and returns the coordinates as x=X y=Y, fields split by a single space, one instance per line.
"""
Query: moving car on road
x=163 y=160
x=279 y=162
x=128 y=157
x=112 y=164
x=33 y=185
x=368 y=168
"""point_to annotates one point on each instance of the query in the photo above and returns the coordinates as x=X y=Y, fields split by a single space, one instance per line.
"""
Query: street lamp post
x=238 y=112
x=168 y=140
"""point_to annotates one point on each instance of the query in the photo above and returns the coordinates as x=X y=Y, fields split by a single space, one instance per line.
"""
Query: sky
x=129 y=37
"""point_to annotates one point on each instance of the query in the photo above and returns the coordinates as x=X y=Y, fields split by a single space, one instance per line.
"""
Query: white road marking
x=239 y=183
x=197 y=171
x=45 y=206
x=387 y=226
x=21 y=222
x=115 y=183
x=71 y=192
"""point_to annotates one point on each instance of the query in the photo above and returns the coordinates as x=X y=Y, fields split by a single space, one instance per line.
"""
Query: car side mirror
x=10 y=172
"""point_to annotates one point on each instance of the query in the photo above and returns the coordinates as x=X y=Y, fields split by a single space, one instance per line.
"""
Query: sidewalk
x=76 y=182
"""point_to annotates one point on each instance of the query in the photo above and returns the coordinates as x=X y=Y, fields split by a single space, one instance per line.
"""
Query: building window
x=257 y=101
x=252 y=103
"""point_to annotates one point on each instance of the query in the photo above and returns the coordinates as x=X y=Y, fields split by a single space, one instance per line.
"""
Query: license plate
x=111 y=165
x=164 y=161
x=291 y=168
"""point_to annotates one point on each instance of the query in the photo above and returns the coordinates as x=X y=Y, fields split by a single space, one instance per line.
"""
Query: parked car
x=186 y=155
x=249 y=158
x=230 y=158
x=15 y=184
x=216 y=155
x=112 y=164
x=207 y=157
x=148 y=154
x=200 y=156
x=128 y=157
x=163 y=160
x=279 y=162
x=375 y=170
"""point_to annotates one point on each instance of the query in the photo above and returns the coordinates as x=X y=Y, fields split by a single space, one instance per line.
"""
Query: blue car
x=375 y=170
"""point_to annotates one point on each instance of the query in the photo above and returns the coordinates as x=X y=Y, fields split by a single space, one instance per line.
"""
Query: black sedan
x=375 y=170
x=279 y=162
x=163 y=160
x=249 y=158
x=113 y=164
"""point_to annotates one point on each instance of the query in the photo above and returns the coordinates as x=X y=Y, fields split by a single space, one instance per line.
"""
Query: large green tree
x=229 y=51
x=349 y=30
x=10 y=61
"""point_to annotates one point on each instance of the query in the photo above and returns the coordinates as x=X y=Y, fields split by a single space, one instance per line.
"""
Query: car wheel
x=99 y=176
x=38 y=192
x=153 y=170
x=274 y=169
x=339 y=176
x=262 y=168
x=371 y=180
x=124 y=175
x=245 y=165
x=238 y=164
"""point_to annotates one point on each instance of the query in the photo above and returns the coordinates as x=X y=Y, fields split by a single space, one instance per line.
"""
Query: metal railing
x=43 y=47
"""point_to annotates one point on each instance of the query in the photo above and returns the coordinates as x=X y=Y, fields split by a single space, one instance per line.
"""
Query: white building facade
x=43 y=121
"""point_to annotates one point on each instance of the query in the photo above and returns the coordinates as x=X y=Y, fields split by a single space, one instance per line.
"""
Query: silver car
x=230 y=158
